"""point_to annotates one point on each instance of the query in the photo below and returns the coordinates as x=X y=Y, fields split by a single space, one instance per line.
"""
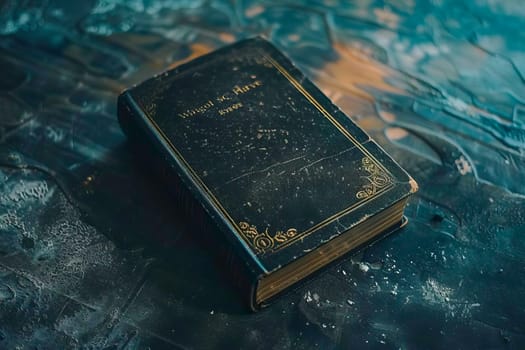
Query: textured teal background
x=93 y=254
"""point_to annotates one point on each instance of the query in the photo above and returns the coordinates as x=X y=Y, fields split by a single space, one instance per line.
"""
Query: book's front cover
x=274 y=158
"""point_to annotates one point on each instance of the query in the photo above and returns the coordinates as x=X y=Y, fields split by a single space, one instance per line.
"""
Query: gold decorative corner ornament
x=151 y=98
x=377 y=179
x=264 y=241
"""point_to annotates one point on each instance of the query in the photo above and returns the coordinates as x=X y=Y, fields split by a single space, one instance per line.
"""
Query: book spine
x=154 y=153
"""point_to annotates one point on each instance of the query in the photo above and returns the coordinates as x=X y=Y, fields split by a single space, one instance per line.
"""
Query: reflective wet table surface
x=94 y=255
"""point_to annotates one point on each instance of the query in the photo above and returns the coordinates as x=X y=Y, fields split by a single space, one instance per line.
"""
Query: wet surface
x=93 y=254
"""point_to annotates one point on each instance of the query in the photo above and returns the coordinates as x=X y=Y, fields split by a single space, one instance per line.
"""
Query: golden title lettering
x=237 y=90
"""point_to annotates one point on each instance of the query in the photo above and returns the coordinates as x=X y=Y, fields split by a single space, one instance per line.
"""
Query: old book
x=261 y=160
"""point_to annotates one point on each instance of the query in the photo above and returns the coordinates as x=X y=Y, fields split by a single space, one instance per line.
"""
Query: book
x=264 y=164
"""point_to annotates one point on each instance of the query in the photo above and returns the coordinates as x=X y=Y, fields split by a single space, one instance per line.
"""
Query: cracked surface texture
x=93 y=256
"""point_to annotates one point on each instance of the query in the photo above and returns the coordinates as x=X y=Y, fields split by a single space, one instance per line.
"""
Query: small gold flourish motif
x=151 y=97
x=377 y=179
x=264 y=241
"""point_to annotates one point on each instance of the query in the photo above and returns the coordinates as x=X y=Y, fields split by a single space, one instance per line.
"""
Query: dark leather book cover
x=259 y=152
